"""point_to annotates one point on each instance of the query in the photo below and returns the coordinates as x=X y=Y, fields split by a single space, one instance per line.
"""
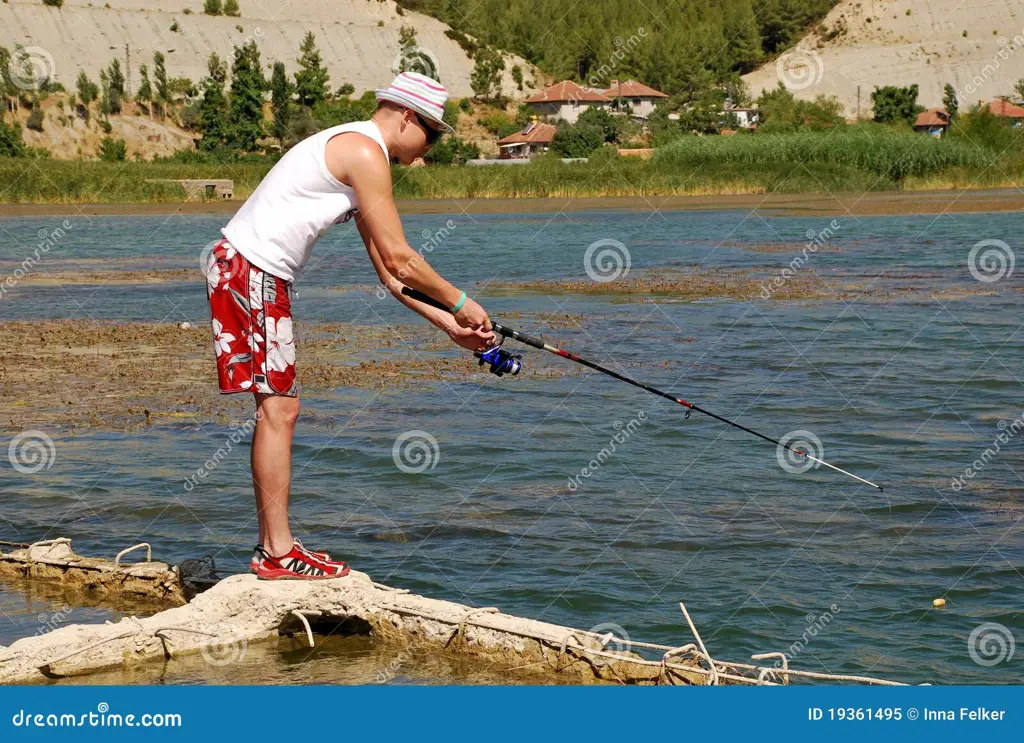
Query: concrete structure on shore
x=240 y=609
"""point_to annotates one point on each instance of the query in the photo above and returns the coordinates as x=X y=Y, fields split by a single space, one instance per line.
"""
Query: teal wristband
x=458 y=307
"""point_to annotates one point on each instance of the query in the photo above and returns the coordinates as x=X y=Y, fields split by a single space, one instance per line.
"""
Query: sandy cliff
x=976 y=46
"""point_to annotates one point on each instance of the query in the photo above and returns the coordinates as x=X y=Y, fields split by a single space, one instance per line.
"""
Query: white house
x=566 y=100
x=640 y=98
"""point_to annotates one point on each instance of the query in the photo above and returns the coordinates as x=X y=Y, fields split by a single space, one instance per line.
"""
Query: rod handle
x=421 y=297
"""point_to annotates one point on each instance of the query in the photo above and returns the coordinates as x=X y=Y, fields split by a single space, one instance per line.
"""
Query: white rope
x=305 y=623
x=122 y=553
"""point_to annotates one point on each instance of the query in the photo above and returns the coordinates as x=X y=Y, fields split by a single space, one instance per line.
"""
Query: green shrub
x=11 y=143
x=452 y=151
x=112 y=150
x=35 y=120
x=577 y=140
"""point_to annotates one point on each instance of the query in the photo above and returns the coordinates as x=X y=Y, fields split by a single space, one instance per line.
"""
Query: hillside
x=977 y=47
x=358 y=38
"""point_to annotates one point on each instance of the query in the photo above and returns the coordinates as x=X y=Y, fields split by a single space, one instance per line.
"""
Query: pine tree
x=744 y=38
x=949 y=101
x=7 y=87
x=281 y=98
x=312 y=78
x=246 y=98
x=212 y=110
x=160 y=81
x=486 y=76
x=104 y=93
x=116 y=86
x=87 y=93
x=145 y=93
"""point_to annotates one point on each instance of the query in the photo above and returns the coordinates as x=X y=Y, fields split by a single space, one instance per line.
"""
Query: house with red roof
x=566 y=100
x=1013 y=113
x=532 y=140
x=639 y=98
x=933 y=122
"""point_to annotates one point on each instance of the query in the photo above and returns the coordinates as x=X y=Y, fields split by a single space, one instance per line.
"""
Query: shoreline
x=811 y=205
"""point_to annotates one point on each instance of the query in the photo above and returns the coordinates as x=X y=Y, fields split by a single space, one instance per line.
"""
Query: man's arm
x=358 y=161
x=439 y=318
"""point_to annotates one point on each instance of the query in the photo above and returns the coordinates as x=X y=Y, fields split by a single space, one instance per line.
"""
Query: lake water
x=907 y=392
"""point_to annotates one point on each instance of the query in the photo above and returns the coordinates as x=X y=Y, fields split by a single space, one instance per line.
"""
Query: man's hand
x=470 y=339
x=472 y=315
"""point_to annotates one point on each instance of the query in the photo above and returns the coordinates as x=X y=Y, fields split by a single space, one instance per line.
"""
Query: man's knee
x=278 y=411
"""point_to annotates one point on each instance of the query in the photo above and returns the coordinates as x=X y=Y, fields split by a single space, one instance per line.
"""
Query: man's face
x=423 y=135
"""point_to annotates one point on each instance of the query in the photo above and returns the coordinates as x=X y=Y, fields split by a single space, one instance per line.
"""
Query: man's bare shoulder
x=352 y=154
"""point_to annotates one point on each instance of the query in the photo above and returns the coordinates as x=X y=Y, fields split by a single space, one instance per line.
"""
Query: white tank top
x=295 y=204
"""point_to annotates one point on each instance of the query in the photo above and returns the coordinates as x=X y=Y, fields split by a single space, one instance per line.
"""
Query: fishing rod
x=503 y=362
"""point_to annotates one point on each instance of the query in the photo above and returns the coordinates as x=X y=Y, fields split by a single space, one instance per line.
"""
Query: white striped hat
x=420 y=93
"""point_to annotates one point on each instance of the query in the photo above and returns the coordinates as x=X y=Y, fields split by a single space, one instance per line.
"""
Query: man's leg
x=272 y=468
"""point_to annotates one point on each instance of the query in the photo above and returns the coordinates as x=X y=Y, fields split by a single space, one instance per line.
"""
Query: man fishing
x=337 y=174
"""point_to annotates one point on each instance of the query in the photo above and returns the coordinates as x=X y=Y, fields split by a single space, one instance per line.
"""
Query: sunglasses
x=432 y=134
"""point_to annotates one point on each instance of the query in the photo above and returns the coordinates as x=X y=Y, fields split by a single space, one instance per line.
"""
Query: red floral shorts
x=252 y=325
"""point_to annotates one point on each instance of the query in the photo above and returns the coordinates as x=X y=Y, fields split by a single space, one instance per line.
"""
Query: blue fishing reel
x=501 y=361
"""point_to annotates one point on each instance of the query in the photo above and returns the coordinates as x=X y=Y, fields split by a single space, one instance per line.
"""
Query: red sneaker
x=257 y=555
x=297 y=565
